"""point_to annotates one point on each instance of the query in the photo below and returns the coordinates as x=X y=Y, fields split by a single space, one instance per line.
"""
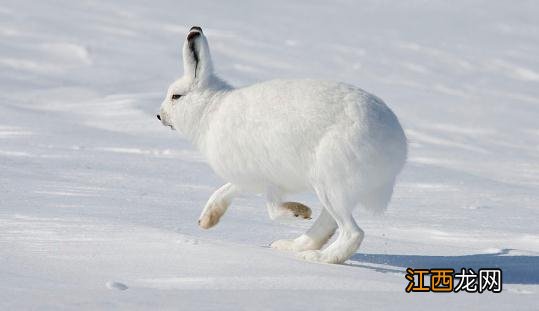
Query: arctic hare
x=287 y=136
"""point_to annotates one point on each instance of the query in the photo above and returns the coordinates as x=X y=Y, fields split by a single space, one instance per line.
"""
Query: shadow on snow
x=516 y=269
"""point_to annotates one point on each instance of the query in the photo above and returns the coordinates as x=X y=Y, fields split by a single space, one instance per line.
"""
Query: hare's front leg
x=320 y=232
x=217 y=205
x=277 y=208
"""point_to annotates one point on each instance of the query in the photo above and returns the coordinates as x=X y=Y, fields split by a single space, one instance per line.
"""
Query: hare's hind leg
x=320 y=232
x=339 y=206
x=217 y=205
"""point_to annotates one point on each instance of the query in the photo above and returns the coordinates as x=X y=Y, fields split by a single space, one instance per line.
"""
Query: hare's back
x=273 y=129
x=302 y=105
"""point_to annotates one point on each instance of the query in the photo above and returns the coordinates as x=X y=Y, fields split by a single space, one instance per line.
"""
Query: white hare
x=287 y=136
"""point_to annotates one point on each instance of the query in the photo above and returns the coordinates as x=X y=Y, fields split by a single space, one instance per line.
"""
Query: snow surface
x=99 y=202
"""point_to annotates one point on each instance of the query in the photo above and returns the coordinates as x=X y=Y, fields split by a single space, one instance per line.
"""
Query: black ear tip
x=193 y=35
x=196 y=28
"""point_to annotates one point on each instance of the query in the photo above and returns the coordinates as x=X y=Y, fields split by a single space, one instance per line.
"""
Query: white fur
x=285 y=136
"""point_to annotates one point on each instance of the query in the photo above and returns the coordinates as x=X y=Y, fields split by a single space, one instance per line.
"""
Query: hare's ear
x=197 y=62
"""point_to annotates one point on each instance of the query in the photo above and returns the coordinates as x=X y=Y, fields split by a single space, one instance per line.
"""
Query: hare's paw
x=296 y=209
x=302 y=243
x=212 y=215
x=217 y=205
x=311 y=255
x=321 y=256
x=339 y=251
x=284 y=245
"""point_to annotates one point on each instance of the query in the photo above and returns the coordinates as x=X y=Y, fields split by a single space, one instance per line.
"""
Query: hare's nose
x=158 y=117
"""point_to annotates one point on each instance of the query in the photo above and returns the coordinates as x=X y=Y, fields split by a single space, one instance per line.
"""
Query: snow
x=99 y=202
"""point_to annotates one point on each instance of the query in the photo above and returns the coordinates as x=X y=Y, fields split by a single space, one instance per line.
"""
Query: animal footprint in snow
x=117 y=285
x=188 y=241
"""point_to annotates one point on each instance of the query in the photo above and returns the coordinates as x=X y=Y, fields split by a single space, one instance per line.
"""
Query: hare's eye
x=176 y=96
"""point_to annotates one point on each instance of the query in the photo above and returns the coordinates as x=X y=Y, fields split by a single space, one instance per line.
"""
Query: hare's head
x=197 y=76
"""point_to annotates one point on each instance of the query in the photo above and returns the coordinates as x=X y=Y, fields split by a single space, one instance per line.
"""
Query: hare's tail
x=377 y=200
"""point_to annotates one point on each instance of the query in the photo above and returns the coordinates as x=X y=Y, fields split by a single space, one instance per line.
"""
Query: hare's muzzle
x=158 y=116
